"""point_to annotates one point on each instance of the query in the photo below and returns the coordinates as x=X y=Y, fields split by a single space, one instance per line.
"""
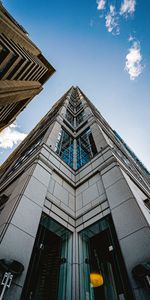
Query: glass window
x=50 y=271
x=104 y=272
x=86 y=148
x=80 y=118
x=70 y=118
x=64 y=147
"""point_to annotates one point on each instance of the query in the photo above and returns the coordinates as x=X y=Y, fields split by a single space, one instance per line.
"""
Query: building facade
x=23 y=68
x=74 y=202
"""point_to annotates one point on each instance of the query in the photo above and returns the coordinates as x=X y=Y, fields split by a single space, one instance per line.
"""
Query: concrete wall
x=131 y=225
x=26 y=207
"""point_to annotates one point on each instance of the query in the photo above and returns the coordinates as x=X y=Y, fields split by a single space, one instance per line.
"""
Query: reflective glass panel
x=86 y=148
x=70 y=118
x=80 y=118
x=64 y=147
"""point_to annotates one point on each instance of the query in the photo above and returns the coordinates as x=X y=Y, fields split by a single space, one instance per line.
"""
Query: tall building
x=23 y=68
x=74 y=202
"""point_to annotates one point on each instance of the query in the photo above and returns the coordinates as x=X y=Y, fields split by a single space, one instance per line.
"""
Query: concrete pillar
x=131 y=226
x=23 y=225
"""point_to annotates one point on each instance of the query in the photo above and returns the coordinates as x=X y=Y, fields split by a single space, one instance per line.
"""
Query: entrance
x=47 y=265
x=102 y=264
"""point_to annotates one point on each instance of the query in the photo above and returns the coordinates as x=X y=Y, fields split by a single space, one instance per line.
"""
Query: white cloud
x=133 y=64
x=101 y=4
x=112 y=21
x=131 y=38
x=127 y=7
x=10 y=136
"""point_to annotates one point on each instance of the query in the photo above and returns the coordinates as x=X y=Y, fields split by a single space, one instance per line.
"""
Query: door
x=43 y=274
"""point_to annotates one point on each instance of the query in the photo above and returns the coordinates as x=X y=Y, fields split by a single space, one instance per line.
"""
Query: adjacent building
x=74 y=202
x=23 y=68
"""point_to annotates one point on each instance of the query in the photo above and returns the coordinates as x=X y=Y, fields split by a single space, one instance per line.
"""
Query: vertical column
x=130 y=224
x=52 y=139
x=75 y=268
x=98 y=137
x=18 y=241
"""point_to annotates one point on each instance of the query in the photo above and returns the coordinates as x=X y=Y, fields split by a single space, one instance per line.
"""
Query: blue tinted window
x=86 y=148
x=64 y=147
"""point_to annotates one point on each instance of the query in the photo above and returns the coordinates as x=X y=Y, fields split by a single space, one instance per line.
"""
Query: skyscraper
x=23 y=68
x=75 y=209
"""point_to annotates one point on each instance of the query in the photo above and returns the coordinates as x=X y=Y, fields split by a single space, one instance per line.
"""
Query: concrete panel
x=82 y=187
x=71 y=228
x=65 y=170
x=128 y=218
x=85 y=171
x=8 y=210
x=97 y=162
x=118 y=193
x=57 y=178
x=68 y=210
x=100 y=187
x=72 y=222
x=100 y=143
x=52 y=139
x=140 y=196
x=99 y=200
x=42 y=175
x=27 y=173
x=104 y=205
x=79 y=201
x=20 y=248
x=93 y=220
x=68 y=187
x=53 y=199
x=90 y=194
x=51 y=186
x=72 y=202
x=136 y=249
x=27 y=216
x=46 y=210
x=21 y=184
x=48 y=204
x=94 y=179
x=54 y=160
x=59 y=212
x=61 y=193
x=36 y=191
x=93 y=212
x=45 y=152
x=58 y=219
x=106 y=212
x=112 y=176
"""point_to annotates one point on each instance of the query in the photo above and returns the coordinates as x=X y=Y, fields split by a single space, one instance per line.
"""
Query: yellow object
x=96 y=279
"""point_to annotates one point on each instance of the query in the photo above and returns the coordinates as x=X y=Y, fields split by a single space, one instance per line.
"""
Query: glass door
x=49 y=268
x=103 y=274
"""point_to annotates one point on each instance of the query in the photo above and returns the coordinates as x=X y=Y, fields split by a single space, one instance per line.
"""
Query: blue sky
x=101 y=46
